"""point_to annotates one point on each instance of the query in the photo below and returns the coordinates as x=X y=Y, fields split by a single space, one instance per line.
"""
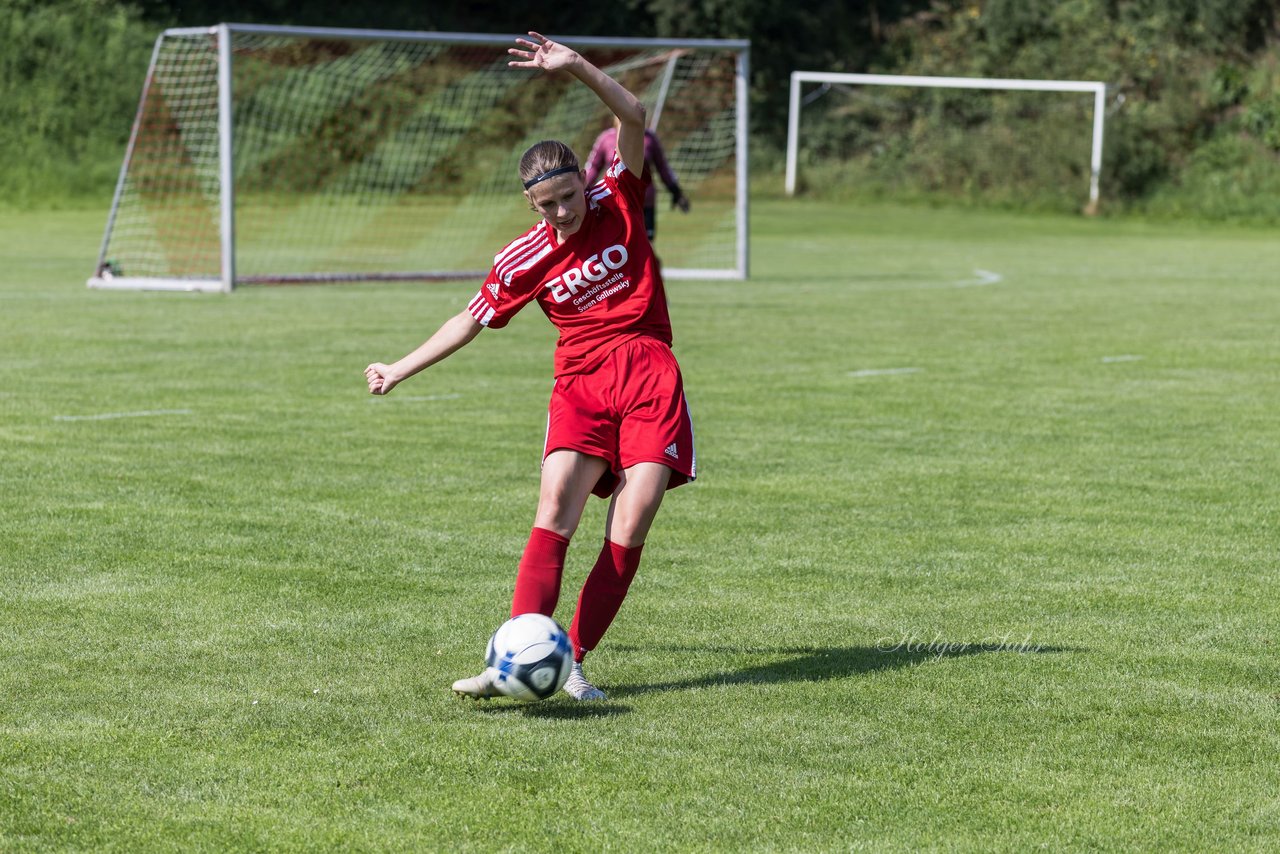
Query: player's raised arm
x=538 y=51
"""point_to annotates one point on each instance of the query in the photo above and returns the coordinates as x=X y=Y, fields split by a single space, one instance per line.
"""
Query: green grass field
x=983 y=556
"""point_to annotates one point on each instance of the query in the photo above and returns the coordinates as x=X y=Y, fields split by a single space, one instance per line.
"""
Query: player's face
x=561 y=202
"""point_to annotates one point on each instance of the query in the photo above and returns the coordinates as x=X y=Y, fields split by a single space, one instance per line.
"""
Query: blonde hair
x=550 y=155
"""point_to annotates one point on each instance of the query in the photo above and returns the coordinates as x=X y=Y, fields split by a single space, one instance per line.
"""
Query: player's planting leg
x=631 y=513
x=579 y=688
x=602 y=594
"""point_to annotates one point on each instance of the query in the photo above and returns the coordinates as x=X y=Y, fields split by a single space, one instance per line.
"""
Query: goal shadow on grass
x=821 y=664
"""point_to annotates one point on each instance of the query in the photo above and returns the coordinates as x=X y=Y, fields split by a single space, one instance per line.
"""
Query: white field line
x=1106 y=360
x=981 y=279
x=39 y=295
x=884 y=372
x=417 y=398
x=109 y=416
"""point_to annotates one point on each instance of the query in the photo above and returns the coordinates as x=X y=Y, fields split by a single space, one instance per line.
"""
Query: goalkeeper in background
x=654 y=158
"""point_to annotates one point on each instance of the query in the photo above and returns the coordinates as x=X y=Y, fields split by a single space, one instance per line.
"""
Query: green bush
x=1262 y=119
x=70 y=76
x=1227 y=86
x=1193 y=116
x=1231 y=177
x=1194 y=100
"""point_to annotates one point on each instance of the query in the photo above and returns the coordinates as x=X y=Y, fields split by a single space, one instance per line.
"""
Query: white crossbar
x=1098 y=89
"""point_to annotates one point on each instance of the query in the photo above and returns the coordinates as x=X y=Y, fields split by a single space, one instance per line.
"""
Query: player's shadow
x=560 y=708
x=820 y=664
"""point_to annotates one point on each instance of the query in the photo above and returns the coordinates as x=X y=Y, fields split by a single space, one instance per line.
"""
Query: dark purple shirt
x=602 y=155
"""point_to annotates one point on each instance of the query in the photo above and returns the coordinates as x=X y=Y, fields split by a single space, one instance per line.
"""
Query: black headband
x=545 y=175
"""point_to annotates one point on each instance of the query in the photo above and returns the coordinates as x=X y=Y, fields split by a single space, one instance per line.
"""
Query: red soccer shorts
x=630 y=409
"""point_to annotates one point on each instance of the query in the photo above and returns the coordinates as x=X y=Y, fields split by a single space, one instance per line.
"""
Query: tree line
x=1197 y=81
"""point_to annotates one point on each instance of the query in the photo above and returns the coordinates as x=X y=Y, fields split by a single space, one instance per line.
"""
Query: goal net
x=273 y=154
x=1025 y=142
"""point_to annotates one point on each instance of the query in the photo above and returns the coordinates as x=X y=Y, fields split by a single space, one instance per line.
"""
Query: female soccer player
x=618 y=425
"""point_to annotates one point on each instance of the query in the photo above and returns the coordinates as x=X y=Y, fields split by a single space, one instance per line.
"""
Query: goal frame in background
x=1098 y=89
x=226 y=281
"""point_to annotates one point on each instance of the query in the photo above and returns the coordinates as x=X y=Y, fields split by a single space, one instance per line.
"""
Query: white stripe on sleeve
x=480 y=310
x=523 y=259
x=527 y=264
x=516 y=246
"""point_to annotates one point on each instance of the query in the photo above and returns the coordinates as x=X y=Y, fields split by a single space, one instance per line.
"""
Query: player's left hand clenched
x=544 y=54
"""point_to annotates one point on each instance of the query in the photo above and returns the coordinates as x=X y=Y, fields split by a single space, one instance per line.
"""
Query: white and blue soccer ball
x=530 y=656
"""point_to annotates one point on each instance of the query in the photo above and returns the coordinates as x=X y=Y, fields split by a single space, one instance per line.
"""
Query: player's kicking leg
x=567 y=480
x=480 y=687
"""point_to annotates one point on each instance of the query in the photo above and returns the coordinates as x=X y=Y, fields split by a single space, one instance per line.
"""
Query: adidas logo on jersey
x=595 y=268
x=672 y=451
x=493 y=289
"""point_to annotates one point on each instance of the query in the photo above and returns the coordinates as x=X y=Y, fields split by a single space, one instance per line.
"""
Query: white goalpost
x=263 y=154
x=899 y=120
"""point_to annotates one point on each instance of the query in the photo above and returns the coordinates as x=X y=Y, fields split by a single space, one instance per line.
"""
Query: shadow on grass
x=809 y=664
x=561 y=708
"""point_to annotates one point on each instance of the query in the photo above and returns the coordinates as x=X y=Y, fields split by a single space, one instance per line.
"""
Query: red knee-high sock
x=602 y=595
x=538 y=578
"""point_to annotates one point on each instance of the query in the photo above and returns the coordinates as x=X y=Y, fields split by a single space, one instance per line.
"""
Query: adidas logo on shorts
x=672 y=451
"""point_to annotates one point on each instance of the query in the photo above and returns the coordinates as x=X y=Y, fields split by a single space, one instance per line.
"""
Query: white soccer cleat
x=480 y=687
x=579 y=688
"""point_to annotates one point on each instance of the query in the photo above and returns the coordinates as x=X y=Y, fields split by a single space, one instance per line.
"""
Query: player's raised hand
x=542 y=53
x=379 y=378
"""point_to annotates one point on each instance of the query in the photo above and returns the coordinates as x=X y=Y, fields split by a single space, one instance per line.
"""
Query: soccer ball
x=530 y=656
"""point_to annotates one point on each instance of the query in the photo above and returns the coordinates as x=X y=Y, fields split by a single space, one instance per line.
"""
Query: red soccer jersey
x=600 y=288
